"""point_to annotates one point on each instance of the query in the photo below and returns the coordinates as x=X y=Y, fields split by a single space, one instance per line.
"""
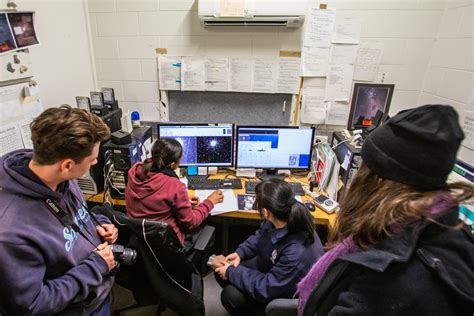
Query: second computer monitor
x=203 y=144
x=274 y=147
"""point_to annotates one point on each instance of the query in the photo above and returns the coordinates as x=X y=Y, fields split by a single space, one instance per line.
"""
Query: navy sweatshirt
x=45 y=267
x=276 y=262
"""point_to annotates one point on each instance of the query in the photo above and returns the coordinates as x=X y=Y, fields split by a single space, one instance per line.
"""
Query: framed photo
x=7 y=42
x=83 y=103
x=22 y=25
x=97 y=100
x=370 y=104
x=109 y=95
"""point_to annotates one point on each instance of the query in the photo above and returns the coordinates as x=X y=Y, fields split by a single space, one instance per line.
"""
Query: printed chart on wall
x=17 y=31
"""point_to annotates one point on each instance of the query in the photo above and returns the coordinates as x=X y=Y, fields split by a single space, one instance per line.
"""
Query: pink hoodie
x=163 y=198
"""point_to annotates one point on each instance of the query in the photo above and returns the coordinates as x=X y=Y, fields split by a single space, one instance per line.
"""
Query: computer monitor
x=281 y=147
x=203 y=144
x=369 y=106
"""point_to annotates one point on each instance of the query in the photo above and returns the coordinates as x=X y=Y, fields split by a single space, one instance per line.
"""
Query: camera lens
x=122 y=255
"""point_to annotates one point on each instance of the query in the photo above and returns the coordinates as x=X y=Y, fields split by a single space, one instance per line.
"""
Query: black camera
x=122 y=255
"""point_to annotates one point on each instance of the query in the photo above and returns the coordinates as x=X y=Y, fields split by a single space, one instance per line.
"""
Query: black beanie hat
x=416 y=146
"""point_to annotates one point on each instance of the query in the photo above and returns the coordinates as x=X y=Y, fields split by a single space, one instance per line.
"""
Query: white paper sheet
x=240 y=74
x=217 y=74
x=228 y=205
x=337 y=113
x=347 y=28
x=369 y=56
x=264 y=75
x=342 y=54
x=313 y=108
x=314 y=61
x=339 y=83
x=192 y=73
x=10 y=108
x=313 y=82
x=319 y=27
x=467 y=124
x=232 y=8
x=288 y=75
x=25 y=131
x=169 y=72
x=10 y=138
x=32 y=109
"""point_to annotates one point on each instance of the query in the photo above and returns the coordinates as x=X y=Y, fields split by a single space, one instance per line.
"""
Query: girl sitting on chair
x=154 y=191
x=270 y=263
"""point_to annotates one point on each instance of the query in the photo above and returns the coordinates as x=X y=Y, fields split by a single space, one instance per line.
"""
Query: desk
x=320 y=216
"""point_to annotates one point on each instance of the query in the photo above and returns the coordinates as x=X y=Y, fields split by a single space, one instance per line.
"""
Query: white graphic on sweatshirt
x=70 y=234
x=274 y=255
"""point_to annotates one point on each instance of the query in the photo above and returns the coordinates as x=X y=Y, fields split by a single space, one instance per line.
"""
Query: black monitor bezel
x=357 y=85
x=203 y=124
x=238 y=127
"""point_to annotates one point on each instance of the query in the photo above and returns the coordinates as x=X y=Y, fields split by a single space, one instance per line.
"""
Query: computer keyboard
x=251 y=185
x=203 y=183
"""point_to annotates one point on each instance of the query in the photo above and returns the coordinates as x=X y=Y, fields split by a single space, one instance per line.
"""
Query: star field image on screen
x=260 y=147
x=202 y=145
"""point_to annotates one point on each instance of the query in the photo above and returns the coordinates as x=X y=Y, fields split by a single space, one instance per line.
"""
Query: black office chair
x=164 y=273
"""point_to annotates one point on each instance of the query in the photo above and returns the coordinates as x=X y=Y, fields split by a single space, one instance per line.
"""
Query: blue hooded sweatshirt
x=45 y=267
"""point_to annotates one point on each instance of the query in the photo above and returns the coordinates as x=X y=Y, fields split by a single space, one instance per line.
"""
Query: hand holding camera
x=106 y=254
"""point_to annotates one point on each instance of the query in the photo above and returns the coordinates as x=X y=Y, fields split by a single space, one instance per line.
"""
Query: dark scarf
x=166 y=170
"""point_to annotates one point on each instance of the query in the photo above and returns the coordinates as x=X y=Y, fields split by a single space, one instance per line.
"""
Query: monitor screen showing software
x=203 y=145
x=274 y=147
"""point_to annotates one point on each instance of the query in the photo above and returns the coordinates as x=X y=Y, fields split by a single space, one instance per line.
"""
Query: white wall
x=62 y=64
x=125 y=34
x=450 y=75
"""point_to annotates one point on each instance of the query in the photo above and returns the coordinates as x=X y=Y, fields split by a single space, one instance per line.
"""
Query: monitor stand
x=269 y=174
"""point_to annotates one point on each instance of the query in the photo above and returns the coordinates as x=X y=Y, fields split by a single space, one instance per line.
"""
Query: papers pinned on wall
x=169 y=72
x=264 y=74
x=314 y=61
x=339 y=83
x=319 y=27
x=313 y=107
x=369 y=56
x=261 y=75
x=10 y=138
x=217 y=74
x=347 y=28
x=241 y=74
x=192 y=73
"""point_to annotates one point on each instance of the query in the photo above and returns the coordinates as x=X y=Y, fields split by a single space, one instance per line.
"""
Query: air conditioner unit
x=253 y=13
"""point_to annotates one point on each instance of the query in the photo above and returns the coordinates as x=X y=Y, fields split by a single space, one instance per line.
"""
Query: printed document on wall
x=217 y=74
x=313 y=107
x=337 y=113
x=240 y=74
x=339 y=83
x=342 y=54
x=10 y=108
x=289 y=75
x=25 y=131
x=347 y=28
x=264 y=75
x=10 y=138
x=369 y=56
x=319 y=27
x=314 y=61
x=192 y=73
x=169 y=72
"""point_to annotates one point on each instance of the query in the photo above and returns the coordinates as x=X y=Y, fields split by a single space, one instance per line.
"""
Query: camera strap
x=66 y=219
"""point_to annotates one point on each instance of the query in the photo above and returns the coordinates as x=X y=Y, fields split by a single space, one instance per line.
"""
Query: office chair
x=163 y=274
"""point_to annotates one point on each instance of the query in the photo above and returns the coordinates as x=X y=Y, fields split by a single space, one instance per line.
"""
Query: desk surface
x=320 y=216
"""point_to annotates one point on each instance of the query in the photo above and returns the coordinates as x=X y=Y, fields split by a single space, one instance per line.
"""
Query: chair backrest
x=161 y=261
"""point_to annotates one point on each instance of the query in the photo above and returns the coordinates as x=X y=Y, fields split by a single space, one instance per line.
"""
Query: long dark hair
x=373 y=206
x=277 y=196
x=164 y=152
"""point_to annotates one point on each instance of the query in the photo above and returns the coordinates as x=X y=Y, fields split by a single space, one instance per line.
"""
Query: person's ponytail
x=164 y=152
x=301 y=220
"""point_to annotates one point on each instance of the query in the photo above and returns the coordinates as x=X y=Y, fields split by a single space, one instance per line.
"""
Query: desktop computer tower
x=93 y=181
x=348 y=156
x=123 y=156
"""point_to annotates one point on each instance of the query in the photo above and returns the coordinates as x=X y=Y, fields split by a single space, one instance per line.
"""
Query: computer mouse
x=310 y=206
